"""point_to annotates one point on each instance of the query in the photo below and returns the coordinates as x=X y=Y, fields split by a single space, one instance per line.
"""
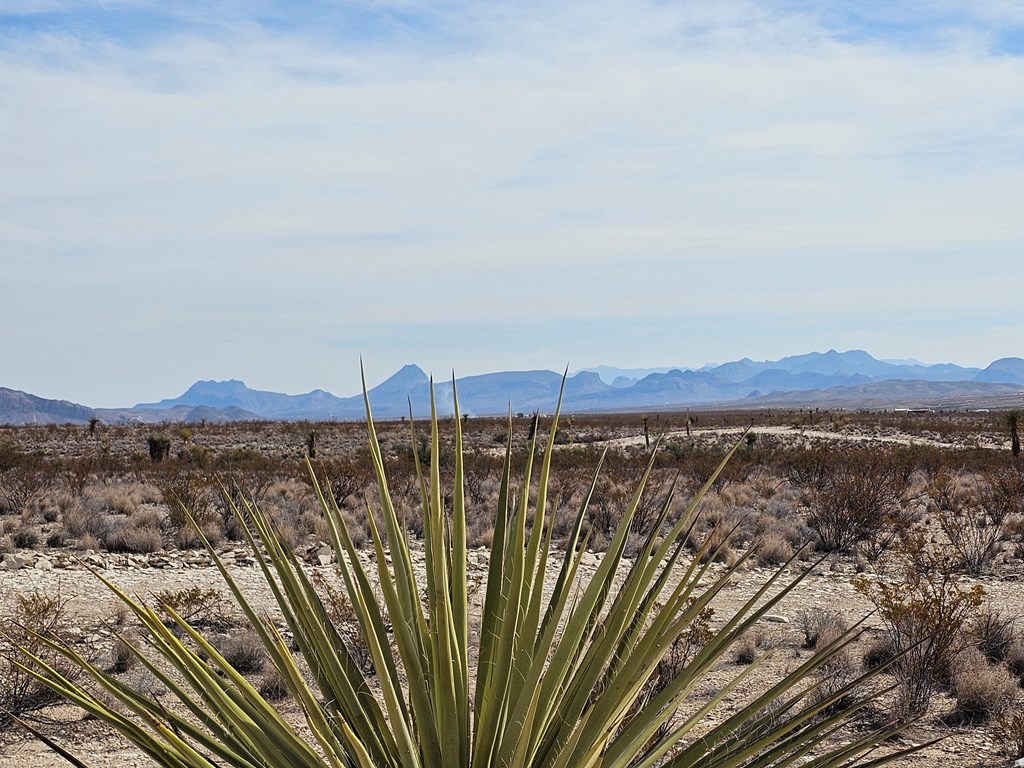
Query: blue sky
x=268 y=190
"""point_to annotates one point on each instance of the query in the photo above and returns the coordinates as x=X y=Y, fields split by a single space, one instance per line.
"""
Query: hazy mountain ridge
x=18 y=407
x=834 y=378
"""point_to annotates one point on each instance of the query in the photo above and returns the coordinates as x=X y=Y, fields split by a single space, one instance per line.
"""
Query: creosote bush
x=36 y=620
x=925 y=611
x=560 y=664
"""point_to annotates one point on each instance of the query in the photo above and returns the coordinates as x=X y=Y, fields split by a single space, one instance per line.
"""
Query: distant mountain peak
x=407 y=378
x=815 y=376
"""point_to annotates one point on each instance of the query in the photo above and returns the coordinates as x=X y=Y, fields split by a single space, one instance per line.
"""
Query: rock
x=13 y=562
x=774 y=617
x=44 y=564
x=325 y=556
x=96 y=561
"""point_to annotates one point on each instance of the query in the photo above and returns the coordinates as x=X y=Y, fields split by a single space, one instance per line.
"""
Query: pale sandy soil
x=974 y=747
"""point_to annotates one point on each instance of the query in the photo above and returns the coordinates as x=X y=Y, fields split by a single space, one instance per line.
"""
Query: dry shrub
x=982 y=690
x=976 y=512
x=1015 y=660
x=187 y=537
x=925 y=615
x=84 y=519
x=853 y=497
x=820 y=626
x=199 y=606
x=122 y=659
x=737 y=495
x=244 y=651
x=881 y=650
x=993 y=633
x=273 y=686
x=343 y=616
x=122 y=499
x=746 y=646
x=773 y=549
x=1009 y=729
x=25 y=537
x=147 y=517
x=714 y=545
x=480 y=536
x=34 y=613
x=133 y=539
x=187 y=492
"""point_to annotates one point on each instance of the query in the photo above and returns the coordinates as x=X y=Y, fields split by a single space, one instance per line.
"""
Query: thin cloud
x=380 y=164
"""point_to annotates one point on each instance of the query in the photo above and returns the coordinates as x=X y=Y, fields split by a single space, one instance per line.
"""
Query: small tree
x=1013 y=422
x=159 y=448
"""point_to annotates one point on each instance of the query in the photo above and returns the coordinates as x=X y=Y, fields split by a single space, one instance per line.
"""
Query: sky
x=270 y=191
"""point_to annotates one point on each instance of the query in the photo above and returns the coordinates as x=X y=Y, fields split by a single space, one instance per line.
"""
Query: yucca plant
x=556 y=679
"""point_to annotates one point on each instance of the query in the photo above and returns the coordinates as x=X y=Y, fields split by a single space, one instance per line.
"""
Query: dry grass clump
x=198 y=606
x=773 y=549
x=1015 y=660
x=821 y=626
x=139 y=533
x=994 y=634
x=244 y=651
x=982 y=690
x=133 y=539
x=25 y=537
x=747 y=645
x=84 y=519
x=273 y=686
x=121 y=657
x=879 y=651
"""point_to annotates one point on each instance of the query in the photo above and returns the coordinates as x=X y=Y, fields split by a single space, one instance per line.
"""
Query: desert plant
x=244 y=652
x=972 y=517
x=994 y=634
x=35 y=620
x=159 y=448
x=1009 y=729
x=24 y=478
x=820 y=624
x=198 y=606
x=855 y=498
x=1015 y=660
x=557 y=673
x=925 y=613
x=982 y=690
x=1013 y=424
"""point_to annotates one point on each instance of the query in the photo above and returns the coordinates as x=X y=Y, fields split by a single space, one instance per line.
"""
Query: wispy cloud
x=268 y=171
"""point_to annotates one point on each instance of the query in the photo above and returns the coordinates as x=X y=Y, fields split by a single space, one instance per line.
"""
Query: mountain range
x=833 y=379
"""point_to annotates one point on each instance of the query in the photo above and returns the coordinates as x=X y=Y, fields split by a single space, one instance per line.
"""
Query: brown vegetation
x=915 y=502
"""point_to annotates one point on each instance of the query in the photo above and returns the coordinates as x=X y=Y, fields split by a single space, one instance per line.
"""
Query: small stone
x=774 y=617
x=13 y=562
x=44 y=564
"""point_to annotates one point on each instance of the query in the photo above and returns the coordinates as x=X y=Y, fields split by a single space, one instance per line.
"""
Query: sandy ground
x=827 y=587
